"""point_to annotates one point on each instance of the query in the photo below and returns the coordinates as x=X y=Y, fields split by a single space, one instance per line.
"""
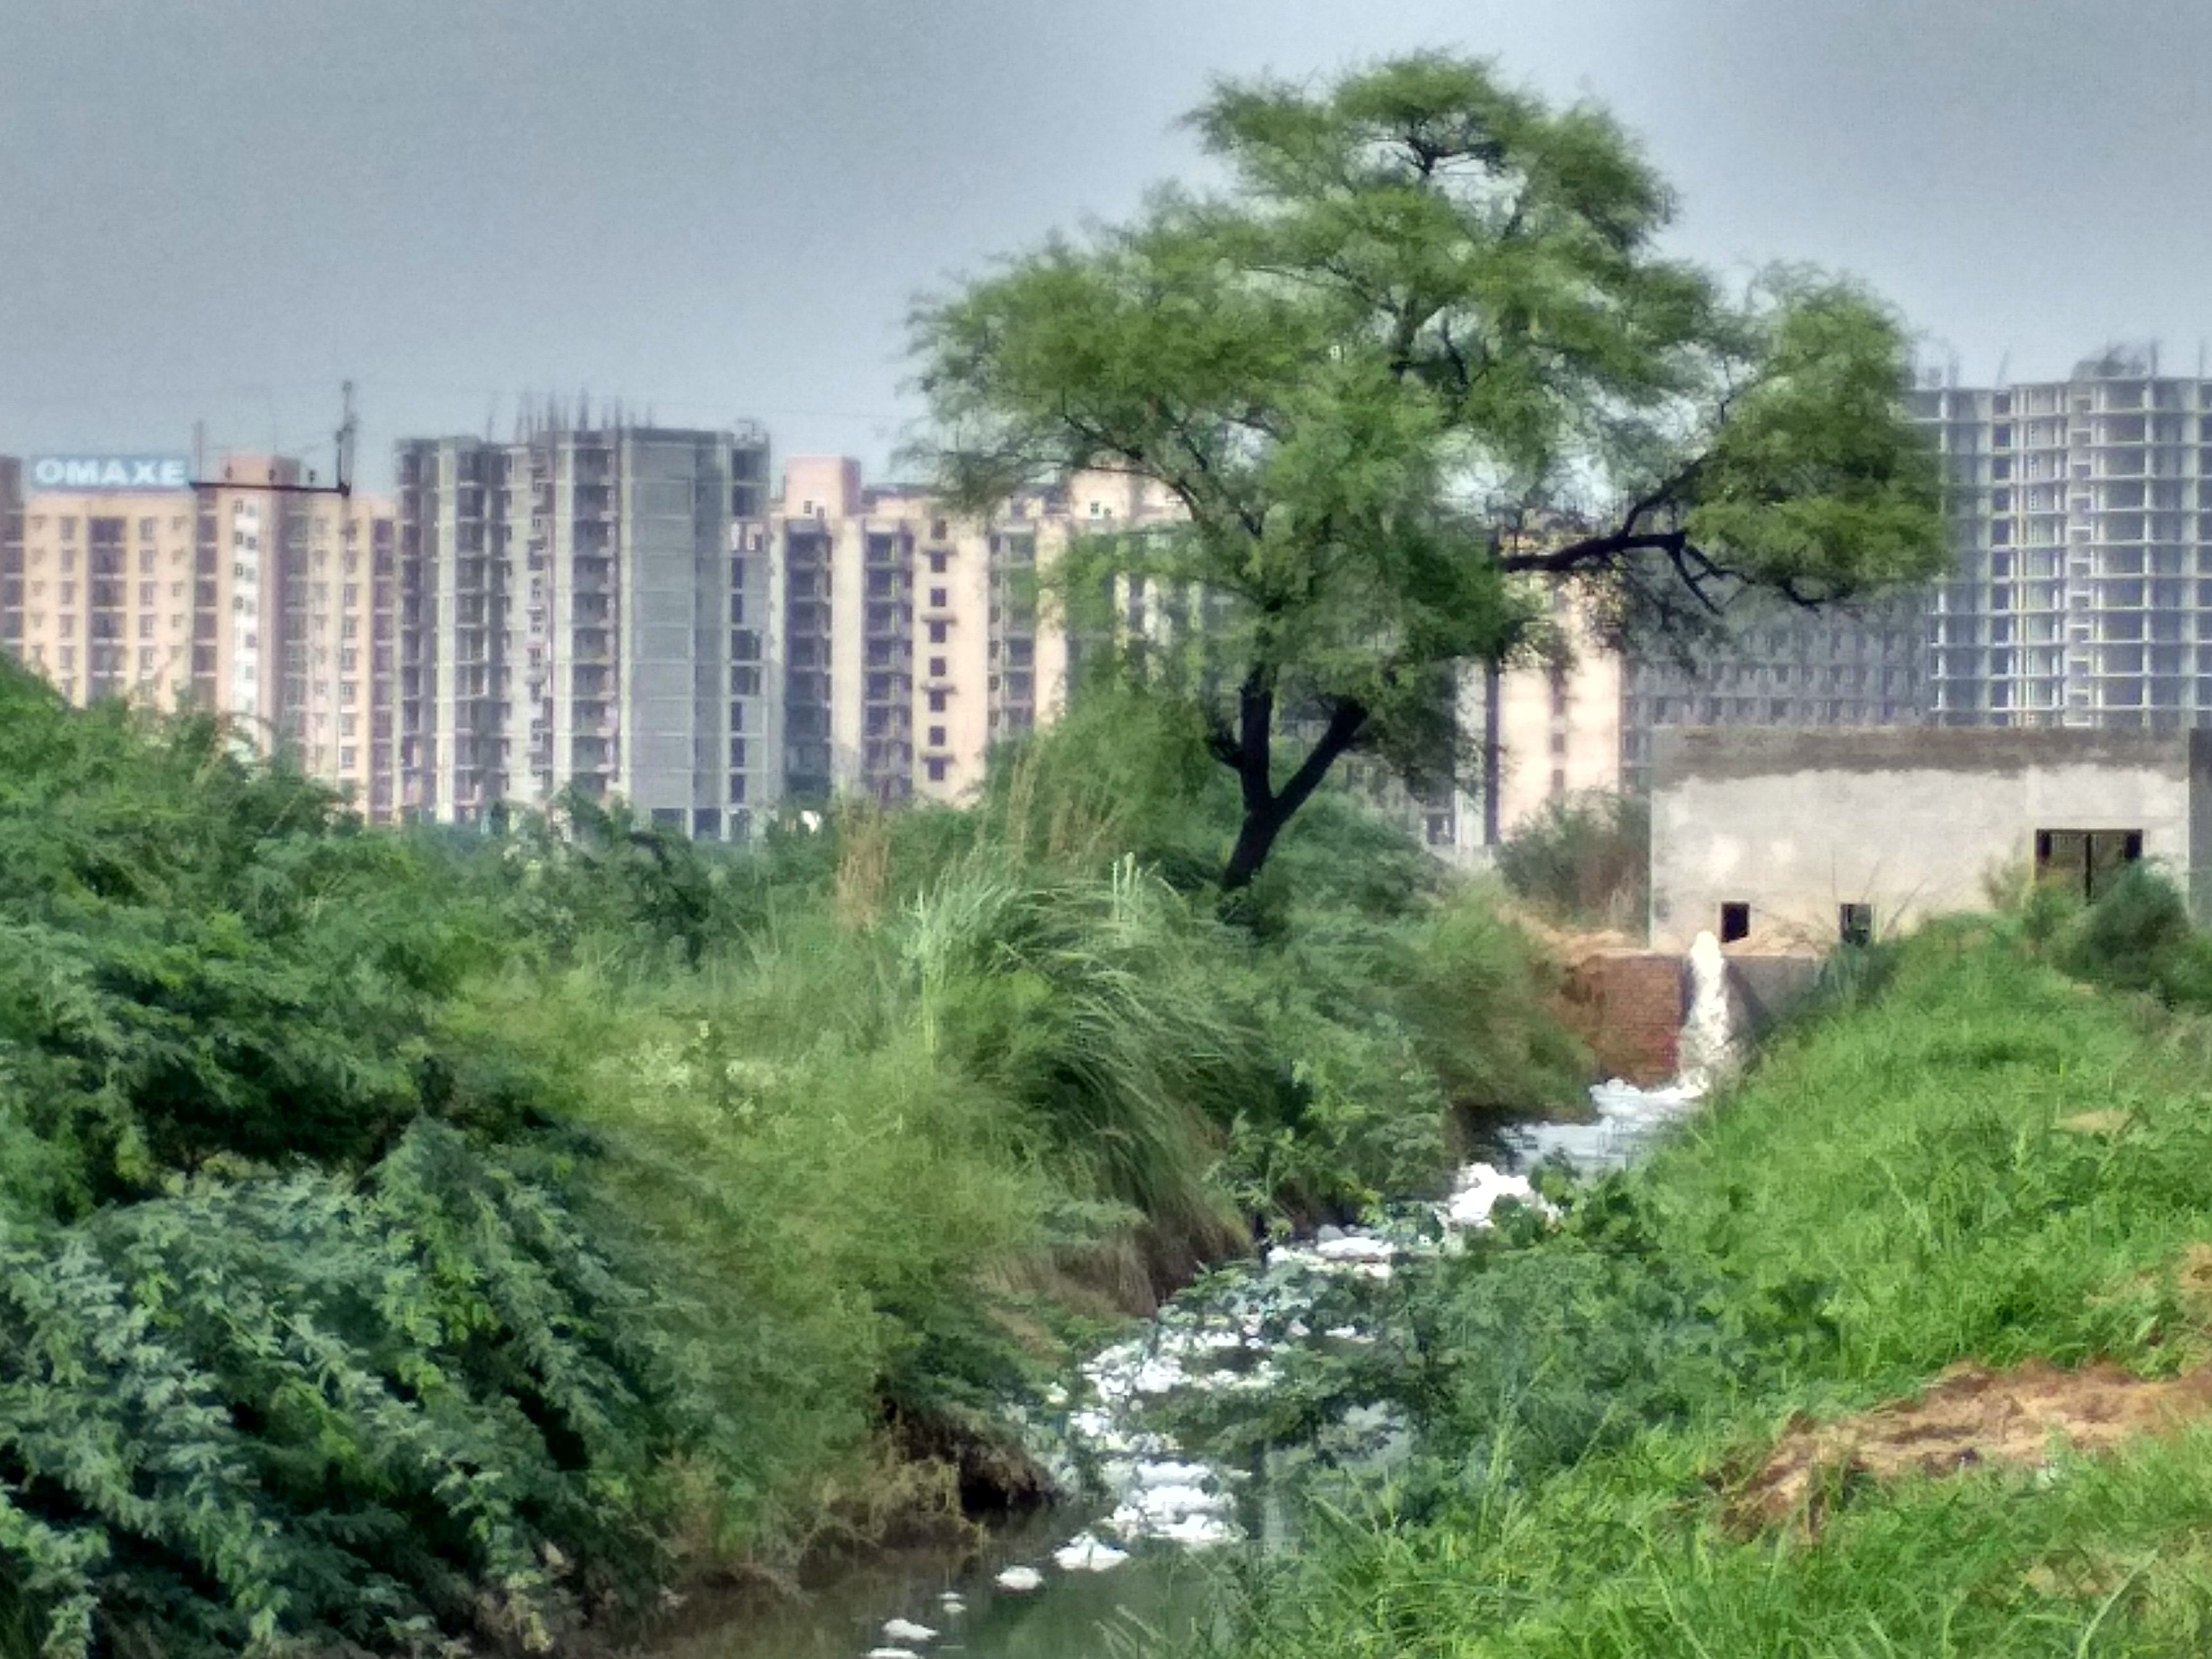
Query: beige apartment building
x=133 y=579
x=911 y=639
x=907 y=641
x=1556 y=733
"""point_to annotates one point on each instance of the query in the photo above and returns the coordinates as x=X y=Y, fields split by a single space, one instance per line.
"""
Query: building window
x=937 y=600
x=2085 y=861
x=934 y=768
x=1735 y=920
x=1855 y=924
x=937 y=700
x=937 y=632
x=937 y=668
x=937 y=563
x=936 y=737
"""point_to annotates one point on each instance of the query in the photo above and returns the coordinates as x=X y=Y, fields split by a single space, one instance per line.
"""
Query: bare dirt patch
x=2097 y=1123
x=1969 y=1417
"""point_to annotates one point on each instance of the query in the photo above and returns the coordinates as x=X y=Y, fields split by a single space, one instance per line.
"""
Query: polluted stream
x=1126 y=1560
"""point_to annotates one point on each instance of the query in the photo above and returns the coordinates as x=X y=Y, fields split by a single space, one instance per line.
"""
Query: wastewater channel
x=1129 y=1566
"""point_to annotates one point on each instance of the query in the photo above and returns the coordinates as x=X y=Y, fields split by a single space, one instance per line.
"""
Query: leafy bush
x=290 y=1408
x=2130 y=935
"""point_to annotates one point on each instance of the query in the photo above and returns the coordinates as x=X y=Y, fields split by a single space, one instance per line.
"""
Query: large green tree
x=1418 y=346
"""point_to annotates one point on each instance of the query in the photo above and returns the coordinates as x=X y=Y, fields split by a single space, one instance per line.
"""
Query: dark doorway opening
x=2085 y=861
x=1736 y=921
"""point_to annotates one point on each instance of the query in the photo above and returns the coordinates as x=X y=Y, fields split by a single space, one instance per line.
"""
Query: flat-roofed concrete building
x=1789 y=840
x=577 y=610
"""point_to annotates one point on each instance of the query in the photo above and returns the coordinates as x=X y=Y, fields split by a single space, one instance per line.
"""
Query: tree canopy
x=1420 y=345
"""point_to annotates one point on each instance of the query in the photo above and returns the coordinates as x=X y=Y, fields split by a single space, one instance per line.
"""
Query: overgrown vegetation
x=1584 y=860
x=1962 y=1155
x=408 y=1240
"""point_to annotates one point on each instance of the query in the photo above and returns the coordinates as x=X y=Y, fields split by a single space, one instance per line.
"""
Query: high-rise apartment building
x=1860 y=663
x=579 y=608
x=1556 y=734
x=911 y=639
x=2082 y=520
x=127 y=576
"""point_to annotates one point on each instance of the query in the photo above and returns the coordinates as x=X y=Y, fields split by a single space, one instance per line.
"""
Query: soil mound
x=1969 y=1417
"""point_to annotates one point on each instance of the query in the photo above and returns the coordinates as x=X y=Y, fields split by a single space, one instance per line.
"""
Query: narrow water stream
x=1082 y=1582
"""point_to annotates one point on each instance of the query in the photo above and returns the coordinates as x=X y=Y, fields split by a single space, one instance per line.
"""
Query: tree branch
x=1345 y=722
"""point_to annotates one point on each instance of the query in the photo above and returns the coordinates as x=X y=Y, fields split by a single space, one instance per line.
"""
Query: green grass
x=1894 y=1189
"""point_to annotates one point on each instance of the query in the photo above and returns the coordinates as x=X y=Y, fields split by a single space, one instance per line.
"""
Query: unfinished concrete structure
x=1784 y=840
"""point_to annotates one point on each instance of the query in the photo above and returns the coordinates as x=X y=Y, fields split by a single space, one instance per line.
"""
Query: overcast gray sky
x=219 y=209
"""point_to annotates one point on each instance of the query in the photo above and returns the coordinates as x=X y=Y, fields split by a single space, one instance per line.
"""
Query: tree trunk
x=1266 y=811
x=1255 y=839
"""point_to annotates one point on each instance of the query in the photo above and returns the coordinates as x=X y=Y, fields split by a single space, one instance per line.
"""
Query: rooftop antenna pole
x=348 y=429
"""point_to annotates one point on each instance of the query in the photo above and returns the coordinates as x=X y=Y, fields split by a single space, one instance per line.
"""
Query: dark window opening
x=1855 y=924
x=2086 y=862
x=1736 y=921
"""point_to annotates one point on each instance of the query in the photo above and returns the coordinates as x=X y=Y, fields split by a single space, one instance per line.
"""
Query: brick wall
x=1628 y=1007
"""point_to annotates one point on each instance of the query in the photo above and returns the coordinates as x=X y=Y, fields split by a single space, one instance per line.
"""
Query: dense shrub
x=1584 y=860
x=2131 y=935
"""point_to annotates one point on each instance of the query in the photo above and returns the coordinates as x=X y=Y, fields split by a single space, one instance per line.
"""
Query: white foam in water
x=1630 y=1119
x=1088 y=1552
x=1221 y=1340
x=1708 y=1054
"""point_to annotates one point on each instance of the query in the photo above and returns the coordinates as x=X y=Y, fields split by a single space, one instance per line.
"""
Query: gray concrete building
x=2083 y=522
x=579 y=608
x=1782 y=840
x=1857 y=664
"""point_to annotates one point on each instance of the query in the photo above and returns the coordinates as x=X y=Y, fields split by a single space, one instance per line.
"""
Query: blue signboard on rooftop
x=108 y=474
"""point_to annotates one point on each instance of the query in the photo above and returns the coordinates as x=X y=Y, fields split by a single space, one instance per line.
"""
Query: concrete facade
x=1854 y=664
x=1795 y=825
x=573 y=614
x=2082 y=519
x=1558 y=727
